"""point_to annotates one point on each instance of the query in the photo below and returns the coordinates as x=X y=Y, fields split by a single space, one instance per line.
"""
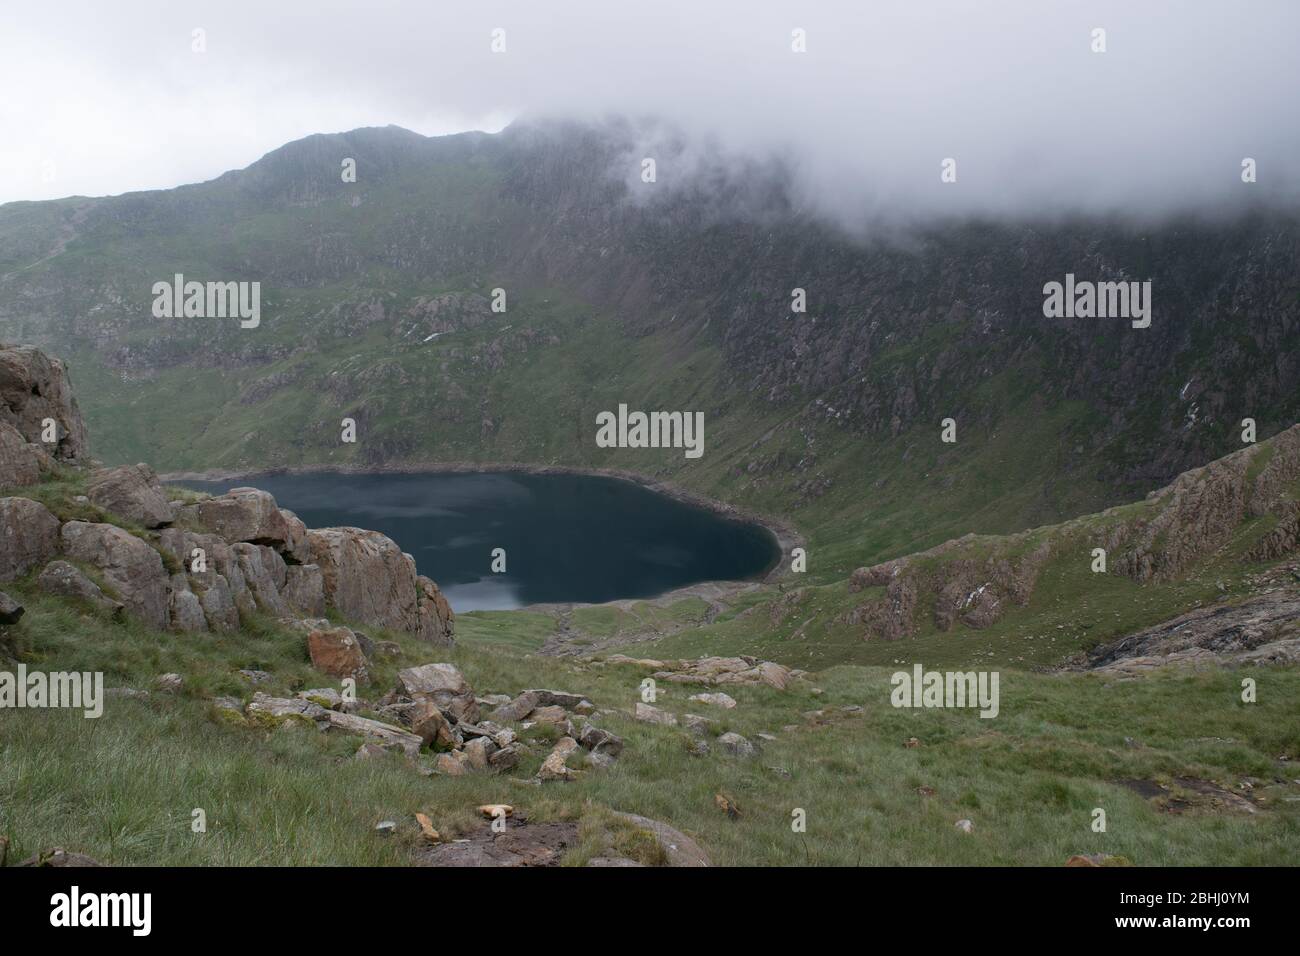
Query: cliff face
x=378 y=302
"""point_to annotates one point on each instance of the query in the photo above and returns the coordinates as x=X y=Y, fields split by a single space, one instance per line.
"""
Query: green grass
x=122 y=788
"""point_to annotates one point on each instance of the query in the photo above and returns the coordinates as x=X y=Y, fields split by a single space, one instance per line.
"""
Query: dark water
x=567 y=537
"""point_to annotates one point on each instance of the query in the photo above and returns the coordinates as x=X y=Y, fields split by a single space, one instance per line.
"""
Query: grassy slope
x=122 y=787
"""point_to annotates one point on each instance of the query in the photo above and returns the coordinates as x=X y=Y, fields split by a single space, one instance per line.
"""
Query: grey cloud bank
x=108 y=98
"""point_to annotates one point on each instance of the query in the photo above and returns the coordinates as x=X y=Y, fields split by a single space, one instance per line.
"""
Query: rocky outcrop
x=1202 y=509
x=132 y=492
x=132 y=568
x=251 y=515
x=1264 y=629
x=727 y=670
x=226 y=556
x=972 y=591
x=369 y=579
x=29 y=536
x=34 y=389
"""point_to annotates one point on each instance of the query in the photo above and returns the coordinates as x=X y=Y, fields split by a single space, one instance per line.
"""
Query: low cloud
x=104 y=99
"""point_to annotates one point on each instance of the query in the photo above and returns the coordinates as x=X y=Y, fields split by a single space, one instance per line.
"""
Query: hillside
x=377 y=306
x=228 y=694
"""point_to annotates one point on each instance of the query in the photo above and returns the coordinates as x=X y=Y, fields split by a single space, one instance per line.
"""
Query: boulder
x=725 y=701
x=374 y=729
x=65 y=580
x=267 y=710
x=678 y=848
x=29 y=536
x=370 y=580
x=433 y=729
x=600 y=741
x=558 y=698
x=327 y=697
x=452 y=764
x=553 y=767
x=435 y=619
x=335 y=651
x=549 y=715
x=21 y=462
x=250 y=515
x=130 y=567
x=517 y=709
x=10 y=610
x=507 y=758
x=736 y=745
x=33 y=388
x=132 y=492
x=727 y=670
x=443 y=684
x=478 y=752
x=653 y=715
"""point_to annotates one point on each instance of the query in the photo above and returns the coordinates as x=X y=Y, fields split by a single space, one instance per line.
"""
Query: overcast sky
x=102 y=98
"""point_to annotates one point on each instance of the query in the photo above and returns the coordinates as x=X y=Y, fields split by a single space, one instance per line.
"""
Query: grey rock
x=132 y=492
x=130 y=566
x=736 y=745
x=21 y=462
x=66 y=580
x=34 y=387
x=29 y=536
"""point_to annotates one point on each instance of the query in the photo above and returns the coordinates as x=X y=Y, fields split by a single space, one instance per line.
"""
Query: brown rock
x=553 y=767
x=336 y=651
x=517 y=709
x=549 y=715
x=432 y=727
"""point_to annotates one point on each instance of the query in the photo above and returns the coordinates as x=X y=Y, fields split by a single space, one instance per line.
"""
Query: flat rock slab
x=522 y=844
